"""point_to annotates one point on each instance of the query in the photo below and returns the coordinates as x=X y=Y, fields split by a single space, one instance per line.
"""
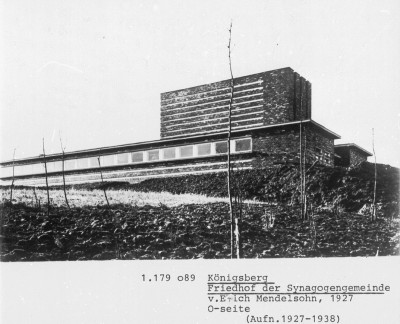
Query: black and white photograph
x=198 y=135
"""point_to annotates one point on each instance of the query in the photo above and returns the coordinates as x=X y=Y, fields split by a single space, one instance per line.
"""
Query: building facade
x=270 y=111
x=350 y=154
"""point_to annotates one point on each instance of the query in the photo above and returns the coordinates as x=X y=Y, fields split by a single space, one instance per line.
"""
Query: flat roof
x=355 y=146
x=181 y=139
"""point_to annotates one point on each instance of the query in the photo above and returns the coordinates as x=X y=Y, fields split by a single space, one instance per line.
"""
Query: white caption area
x=117 y=291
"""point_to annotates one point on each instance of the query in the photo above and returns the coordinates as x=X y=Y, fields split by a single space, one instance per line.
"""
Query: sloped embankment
x=341 y=188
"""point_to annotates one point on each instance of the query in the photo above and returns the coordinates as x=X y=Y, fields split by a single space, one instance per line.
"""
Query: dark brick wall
x=357 y=157
x=319 y=147
x=284 y=146
x=349 y=156
x=267 y=98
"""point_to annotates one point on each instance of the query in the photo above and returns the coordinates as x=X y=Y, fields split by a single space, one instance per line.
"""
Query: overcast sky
x=93 y=71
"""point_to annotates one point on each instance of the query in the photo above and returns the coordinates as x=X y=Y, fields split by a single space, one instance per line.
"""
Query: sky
x=91 y=72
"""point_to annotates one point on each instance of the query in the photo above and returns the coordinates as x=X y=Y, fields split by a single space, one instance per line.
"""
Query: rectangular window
x=221 y=148
x=6 y=171
x=154 y=155
x=107 y=160
x=204 y=149
x=37 y=168
x=122 y=158
x=243 y=145
x=186 y=151
x=57 y=166
x=137 y=157
x=18 y=170
x=169 y=153
x=94 y=162
x=82 y=163
x=69 y=164
x=50 y=166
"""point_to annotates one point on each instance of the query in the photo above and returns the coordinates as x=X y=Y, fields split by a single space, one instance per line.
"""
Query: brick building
x=270 y=112
x=350 y=154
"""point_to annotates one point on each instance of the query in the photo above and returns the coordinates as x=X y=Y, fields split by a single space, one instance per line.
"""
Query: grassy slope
x=347 y=189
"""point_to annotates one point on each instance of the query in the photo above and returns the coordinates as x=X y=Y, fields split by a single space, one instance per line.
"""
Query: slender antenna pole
x=301 y=153
x=374 y=201
x=63 y=172
x=13 y=175
x=235 y=246
x=47 y=183
x=102 y=181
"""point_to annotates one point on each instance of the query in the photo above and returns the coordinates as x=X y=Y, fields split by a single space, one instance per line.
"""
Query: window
x=122 y=158
x=93 y=162
x=6 y=171
x=169 y=153
x=137 y=157
x=221 y=147
x=18 y=170
x=82 y=163
x=318 y=153
x=107 y=160
x=69 y=164
x=204 y=149
x=50 y=166
x=154 y=155
x=57 y=166
x=243 y=145
x=186 y=151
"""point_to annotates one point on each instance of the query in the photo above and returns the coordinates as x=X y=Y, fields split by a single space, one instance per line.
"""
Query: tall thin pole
x=301 y=152
x=63 y=173
x=234 y=221
x=47 y=183
x=102 y=181
x=374 y=200
x=13 y=178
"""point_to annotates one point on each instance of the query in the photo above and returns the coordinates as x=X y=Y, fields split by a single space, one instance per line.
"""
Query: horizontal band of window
x=248 y=126
x=217 y=124
x=210 y=120
x=238 y=104
x=211 y=98
x=115 y=163
x=168 y=168
x=181 y=100
x=211 y=131
x=212 y=102
x=220 y=89
x=235 y=112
